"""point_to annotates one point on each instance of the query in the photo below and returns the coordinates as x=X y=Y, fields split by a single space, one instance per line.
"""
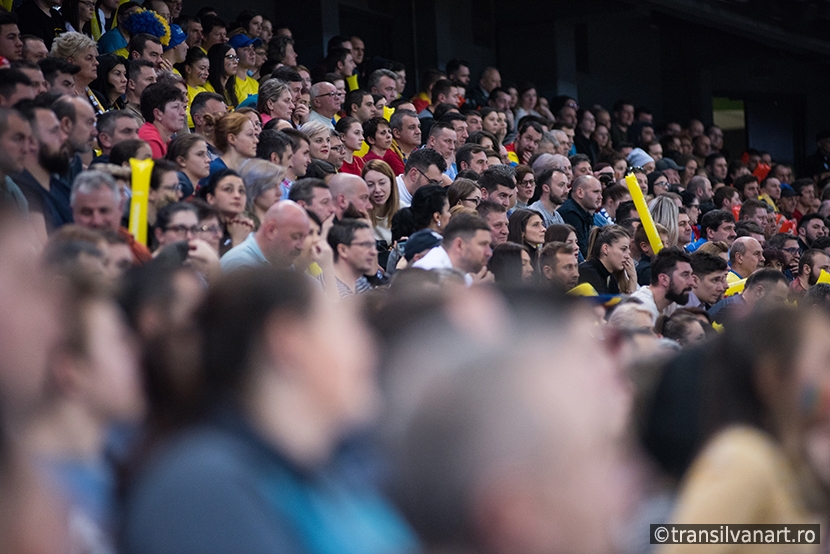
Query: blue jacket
x=574 y=215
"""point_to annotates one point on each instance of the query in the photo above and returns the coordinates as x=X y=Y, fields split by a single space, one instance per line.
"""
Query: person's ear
x=231 y=140
x=66 y=126
x=484 y=194
x=341 y=251
x=157 y=114
x=130 y=84
x=547 y=271
x=159 y=232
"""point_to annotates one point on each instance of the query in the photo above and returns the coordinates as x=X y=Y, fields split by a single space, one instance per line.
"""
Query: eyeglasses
x=335 y=93
x=212 y=229
x=431 y=182
x=529 y=183
x=232 y=58
x=364 y=244
x=695 y=206
x=794 y=250
x=87 y=4
x=182 y=229
x=339 y=148
x=475 y=200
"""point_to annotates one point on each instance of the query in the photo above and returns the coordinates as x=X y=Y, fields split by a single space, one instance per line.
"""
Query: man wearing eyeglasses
x=176 y=222
x=424 y=167
x=355 y=255
x=325 y=102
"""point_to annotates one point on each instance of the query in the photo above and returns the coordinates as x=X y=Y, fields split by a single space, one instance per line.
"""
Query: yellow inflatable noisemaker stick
x=140 y=192
x=735 y=288
x=823 y=277
x=642 y=210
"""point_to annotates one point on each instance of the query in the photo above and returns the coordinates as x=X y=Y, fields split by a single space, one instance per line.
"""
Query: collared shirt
x=733 y=277
x=246 y=254
x=549 y=218
x=314 y=116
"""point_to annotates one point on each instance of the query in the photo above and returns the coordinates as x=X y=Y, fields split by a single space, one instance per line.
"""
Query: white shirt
x=646 y=297
x=437 y=258
x=403 y=193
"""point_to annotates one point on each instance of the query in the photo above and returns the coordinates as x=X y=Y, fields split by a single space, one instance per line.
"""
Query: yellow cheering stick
x=642 y=210
x=735 y=288
x=141 y=170
x=823 y=277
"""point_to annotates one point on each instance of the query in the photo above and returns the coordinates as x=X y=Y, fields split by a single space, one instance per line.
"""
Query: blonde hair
x=70 y=45
x=311 y=128
x=228 y=124
x=392 y=203
x=665 y=212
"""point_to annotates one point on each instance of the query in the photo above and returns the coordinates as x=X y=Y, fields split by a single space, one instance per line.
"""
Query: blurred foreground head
x=511 y=446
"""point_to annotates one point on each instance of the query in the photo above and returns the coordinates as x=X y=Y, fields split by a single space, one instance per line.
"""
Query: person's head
x=613 y=196
x=275 y=147
x=384 y=83
x=59 y=75
x=755 y=211
x=383 y=191
x=214 y=30
x=196 y=67
x=554 y=184
x=472 y=156
x=46 y=129
x=442 y=138
x=811 y=227
x=190 y=153
x=78 y=121
x=748 y=186
x=113 y=127
x=235 y=131
x=424 y=166
x=96 y=201
x=275 y=99
x=430 y=209
x=810 y=265
x=611 y=246
x=701 y=187
x=165 y=106
x=671 y=271
x=147 y=47
x=498 y=187
x=511 y=265
x=164 y=184
x=11 y=47
x=353 y=244
x=710 y=277
x=464 y=192
x=325 y=99
x=526 y=227
x=725 y=198
x=340 y=61
x=140 y=75
x=406 y=128
x=314 y=195
x=718 y=225
x=377 y=133
x=717 y=166
x=495 y=215
x=684 y=328
x=360 y=104
x=282 y=233
x=467 y=242
x=587 y=192
x=772 y=188
x=34 y=48
x=349 y=193
x=262 y=184
x=300 y=157
x=206 y=110
x=351 y=133
x=558 y=265
x=765 y=288
x=124 y=151
x=34 y=73
x=15 y=137
x=527 y=140
x=14 y=87
x=176 y=222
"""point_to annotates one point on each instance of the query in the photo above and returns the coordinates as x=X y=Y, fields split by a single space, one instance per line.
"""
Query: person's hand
x=301 y=113
x=526 y=156
x=203 y=258
x=322 y=253
x=483 y=276
x=239 y=228
x=631 y=271
x=165 y=65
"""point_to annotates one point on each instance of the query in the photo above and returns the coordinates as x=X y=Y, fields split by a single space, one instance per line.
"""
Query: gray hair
x=92 y=181
x=270 y=90
x=375 y=77
x=70 y=45
x=625 y=315
x=311 y=128
x=317 y=89
x=259 y=177
x=396 y=121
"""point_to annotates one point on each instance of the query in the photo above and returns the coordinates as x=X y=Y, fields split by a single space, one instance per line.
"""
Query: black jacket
x=573 y=214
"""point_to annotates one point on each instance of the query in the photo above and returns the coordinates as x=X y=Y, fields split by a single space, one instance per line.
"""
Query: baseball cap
x=420 y=241
x=667 y=163
x=177 y=36
x=241 y=40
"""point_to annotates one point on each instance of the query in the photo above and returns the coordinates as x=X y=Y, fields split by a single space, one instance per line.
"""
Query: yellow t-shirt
x=246 y=88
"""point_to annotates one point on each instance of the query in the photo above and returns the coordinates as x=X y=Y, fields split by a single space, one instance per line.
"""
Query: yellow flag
x=140 y=192
x=735 y=288
x=642 y=210
x=823 y=277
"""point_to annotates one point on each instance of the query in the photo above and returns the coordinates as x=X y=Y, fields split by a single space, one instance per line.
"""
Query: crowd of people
x=345 y=320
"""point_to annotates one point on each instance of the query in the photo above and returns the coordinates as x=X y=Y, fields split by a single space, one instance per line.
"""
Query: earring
x=439 y=224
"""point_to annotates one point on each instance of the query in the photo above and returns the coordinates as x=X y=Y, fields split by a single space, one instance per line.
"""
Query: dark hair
x=138 y=43
x=466 y=151
x=427 y=201
x=287 y=74
x=722 y=194
x=558 y=232
x=201 y=100
x=50 y=67
x=354 y=97
x=106 y=121
x=808 y=218
x=713 y=220
x=487 y=207
x=9 y=79
x=303 y=189
x=211 y=21
x=476 y=137
x=270 y=142
x=165 y=214
x=600 y=236
x=213 y=182
x=370 y=126
x=233 y=317
x=454 y=65
x=492 y=178
x=516 y=225
x=221 y=83
x=525 y=125
x=423 y=158
x=342 y=232
x=465 y=226
x=194 y=55
x=122 y=151
x=742 y=181
x=101 y=84
x=160 y=167
x=506 y=264
x=665 y=262
x=344 y=124
x=319 y=169
x=704 y=264
x=808 y=258
x=157 y=96
x=181 y=146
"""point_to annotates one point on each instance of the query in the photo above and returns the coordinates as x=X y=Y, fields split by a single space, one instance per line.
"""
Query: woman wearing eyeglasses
x=464 y=192
x=525 y=185
x=222 y=73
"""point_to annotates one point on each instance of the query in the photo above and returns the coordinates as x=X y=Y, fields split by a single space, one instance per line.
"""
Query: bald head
x=349 y=190
x=283 y=232
x=746 y=256
x=587 y=192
